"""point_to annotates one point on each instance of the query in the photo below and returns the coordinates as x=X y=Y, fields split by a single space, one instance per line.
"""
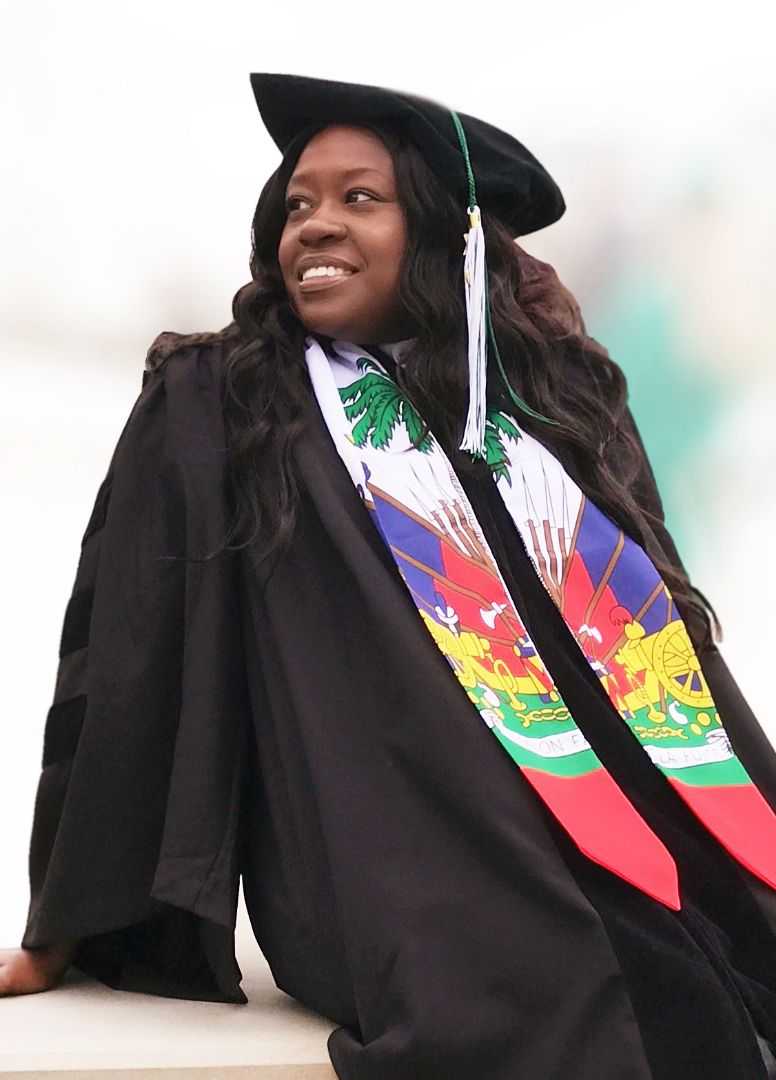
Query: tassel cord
x=515 y=398
x=480 y=326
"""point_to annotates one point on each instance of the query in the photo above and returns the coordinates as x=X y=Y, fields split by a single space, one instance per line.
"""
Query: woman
x=288 y=536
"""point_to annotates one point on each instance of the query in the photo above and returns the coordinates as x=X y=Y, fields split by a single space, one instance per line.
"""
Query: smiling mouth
x=316 y=284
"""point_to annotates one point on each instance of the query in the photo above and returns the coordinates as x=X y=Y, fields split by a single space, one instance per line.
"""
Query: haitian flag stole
x=425 y=519
x=623 y=617
x=612 y=598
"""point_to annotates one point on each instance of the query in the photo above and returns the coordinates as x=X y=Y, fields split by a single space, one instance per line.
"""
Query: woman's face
x=343 y=212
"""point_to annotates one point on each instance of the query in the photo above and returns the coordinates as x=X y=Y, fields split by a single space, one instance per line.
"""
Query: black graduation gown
x=718 y=951
x=401 y=877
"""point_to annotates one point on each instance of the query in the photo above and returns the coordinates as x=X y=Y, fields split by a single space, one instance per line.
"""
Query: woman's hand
x=29 y=971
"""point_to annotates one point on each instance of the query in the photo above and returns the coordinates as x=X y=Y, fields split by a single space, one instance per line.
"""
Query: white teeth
x=325 y=271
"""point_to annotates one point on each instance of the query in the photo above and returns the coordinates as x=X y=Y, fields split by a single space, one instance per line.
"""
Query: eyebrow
x=303 y=177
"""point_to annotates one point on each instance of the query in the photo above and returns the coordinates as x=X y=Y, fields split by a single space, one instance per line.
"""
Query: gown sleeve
x=647 y=495
x=747 y=735
x=133 y=850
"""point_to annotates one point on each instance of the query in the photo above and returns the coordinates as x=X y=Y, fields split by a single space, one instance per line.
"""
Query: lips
x=307 y=262
x=318 y=284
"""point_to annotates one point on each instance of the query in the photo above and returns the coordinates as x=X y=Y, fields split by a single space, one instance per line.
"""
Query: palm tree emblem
x=377 y=406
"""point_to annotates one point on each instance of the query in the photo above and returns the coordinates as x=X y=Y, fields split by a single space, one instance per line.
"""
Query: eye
x=292 y=199
x=290 y=208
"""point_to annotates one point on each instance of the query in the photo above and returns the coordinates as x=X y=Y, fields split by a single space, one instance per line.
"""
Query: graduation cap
x=488 y=169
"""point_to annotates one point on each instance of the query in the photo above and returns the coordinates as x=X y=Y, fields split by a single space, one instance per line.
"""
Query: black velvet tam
x=509 y=180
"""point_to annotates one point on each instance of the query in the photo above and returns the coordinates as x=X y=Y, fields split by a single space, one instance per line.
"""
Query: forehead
x=342 y=151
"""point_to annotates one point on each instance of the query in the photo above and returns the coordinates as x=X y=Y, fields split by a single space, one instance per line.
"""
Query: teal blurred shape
x=677 y=403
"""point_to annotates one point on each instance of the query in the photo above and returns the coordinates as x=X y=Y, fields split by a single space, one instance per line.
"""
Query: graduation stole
x=608 y=591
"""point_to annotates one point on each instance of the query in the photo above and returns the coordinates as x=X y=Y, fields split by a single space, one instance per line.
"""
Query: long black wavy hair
x=550 y=361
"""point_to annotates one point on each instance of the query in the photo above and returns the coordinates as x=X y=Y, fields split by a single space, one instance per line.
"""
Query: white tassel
x=474 y=283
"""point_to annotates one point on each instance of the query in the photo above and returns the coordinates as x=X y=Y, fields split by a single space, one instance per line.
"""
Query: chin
x=359 y=333
x=337 y=332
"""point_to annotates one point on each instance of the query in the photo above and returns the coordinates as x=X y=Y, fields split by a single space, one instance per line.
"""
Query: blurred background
x=134 y=156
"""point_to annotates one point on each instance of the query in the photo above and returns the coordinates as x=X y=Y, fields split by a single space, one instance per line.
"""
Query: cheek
x=284 y=256
x=394 y=247
x=399 y=236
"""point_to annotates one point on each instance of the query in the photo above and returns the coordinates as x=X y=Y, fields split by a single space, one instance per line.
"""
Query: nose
x=322 y=224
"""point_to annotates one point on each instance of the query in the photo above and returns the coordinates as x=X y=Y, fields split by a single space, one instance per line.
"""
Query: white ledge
x=83 y=1030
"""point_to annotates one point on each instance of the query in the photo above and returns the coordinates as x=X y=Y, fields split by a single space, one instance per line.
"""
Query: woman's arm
x=133 y=853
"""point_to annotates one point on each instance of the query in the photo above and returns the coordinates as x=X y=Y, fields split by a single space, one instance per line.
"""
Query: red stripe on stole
x=741 y=820
x=609 y=830
x=482 y=581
